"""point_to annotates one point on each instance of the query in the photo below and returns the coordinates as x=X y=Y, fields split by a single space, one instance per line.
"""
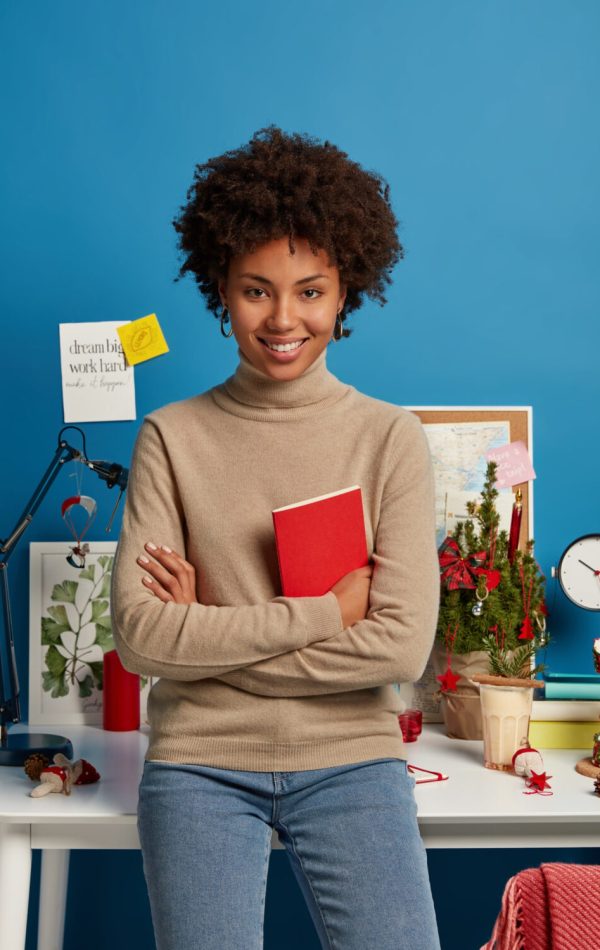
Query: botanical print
x=77 y=631
x=70 y=632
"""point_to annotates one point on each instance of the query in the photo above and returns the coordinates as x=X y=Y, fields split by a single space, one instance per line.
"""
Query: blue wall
x=483 y=118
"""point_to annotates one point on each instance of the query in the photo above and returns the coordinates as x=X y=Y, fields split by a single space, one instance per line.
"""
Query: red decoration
x=56 y=770
x=493 y=578
x=515 y=525
x=527 y=631
x=525 y=761
x=458 y=571
x=88 y=774
x=448 y=680
x=120 y=695
x=538 y=781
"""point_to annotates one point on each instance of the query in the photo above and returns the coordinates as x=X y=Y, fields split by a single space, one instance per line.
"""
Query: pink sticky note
x=514 y=464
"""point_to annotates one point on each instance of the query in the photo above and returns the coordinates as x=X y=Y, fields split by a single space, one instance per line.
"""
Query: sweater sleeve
x=192 y=641
x=393 y=643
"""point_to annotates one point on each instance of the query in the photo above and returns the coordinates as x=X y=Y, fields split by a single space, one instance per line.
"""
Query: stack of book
x=569 y=716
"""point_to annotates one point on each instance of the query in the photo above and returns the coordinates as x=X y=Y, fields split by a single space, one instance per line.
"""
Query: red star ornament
x=539 y=781
x=527 y=632
x=448 y=681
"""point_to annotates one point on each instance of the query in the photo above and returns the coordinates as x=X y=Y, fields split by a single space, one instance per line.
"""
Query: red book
x=319 y=540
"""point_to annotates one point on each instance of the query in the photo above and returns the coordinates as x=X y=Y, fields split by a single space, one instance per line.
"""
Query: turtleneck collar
x=254 y=395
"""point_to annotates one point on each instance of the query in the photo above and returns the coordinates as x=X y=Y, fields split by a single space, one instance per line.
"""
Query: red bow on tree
x=458 y=571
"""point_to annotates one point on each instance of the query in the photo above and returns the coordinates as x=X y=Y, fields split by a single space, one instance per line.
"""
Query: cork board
x=519 y=419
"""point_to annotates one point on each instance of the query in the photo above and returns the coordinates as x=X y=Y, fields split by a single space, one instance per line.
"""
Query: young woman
x=275 y=712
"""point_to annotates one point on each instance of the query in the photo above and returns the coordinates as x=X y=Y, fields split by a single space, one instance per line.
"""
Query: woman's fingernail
x=144 y=560
x=151 y=546
x=146 y=580
x=165 y=548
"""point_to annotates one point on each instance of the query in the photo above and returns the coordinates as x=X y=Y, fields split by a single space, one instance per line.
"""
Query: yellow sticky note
x=142 y=339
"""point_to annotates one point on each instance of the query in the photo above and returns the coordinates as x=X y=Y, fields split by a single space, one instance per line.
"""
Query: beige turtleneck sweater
x=250 y=679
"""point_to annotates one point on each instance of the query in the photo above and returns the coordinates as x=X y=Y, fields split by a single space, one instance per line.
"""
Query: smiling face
x=281 y=297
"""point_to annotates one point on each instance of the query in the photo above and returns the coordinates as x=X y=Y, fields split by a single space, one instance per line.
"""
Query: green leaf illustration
x=88 y=572
x=98 y=671
x=85 y=687
x=104 y=637
x=54 y=626
x=54 y=680
x=99 y=607
x=65 y=591
x=105 y=589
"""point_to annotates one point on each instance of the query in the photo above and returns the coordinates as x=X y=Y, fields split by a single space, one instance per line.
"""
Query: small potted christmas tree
x=489 y=587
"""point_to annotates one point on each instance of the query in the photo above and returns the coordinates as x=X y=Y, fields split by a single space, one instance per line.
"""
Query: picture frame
x=69 y=632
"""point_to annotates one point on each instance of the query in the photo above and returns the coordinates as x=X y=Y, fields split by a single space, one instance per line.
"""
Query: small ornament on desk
x=60 y=776
x=596 y=654
x=528 y=763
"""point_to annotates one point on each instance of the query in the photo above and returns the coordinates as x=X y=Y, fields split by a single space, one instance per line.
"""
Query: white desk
x=475 y=808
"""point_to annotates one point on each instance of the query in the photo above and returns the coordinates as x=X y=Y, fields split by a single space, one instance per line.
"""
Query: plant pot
x=505 y=713
x=461 y=709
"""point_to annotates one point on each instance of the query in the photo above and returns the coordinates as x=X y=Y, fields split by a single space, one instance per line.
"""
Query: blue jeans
x=350 y=833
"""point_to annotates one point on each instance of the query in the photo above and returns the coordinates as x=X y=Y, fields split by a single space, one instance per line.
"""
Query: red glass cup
x=411 y=724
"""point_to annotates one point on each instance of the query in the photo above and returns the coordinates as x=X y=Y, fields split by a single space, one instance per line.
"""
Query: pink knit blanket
x=553 y=907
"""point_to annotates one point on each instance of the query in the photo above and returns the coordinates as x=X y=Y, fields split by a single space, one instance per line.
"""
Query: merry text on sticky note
x=514 y=464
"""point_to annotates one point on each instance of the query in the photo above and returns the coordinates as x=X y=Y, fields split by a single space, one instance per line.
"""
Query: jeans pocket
x=408 y=774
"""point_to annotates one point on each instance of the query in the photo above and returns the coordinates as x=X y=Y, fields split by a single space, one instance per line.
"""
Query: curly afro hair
x=284 y=185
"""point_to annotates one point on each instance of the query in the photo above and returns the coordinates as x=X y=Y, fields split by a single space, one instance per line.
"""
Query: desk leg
x=54 y=878
x=15 y=879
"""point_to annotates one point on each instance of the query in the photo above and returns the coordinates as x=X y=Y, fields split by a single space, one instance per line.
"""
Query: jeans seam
x=261 y=940
x=309 y=882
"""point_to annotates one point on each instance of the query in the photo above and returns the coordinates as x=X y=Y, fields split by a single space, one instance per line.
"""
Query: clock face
x=579 y=571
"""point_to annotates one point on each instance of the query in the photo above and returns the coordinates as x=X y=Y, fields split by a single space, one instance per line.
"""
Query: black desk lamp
x=15 y=748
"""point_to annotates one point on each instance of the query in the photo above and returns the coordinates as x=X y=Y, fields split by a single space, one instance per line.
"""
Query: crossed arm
x=183 y=639
x=289 y=646
x=392 y=644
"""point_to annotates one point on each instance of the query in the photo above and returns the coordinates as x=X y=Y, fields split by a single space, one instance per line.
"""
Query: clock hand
x=587 y=565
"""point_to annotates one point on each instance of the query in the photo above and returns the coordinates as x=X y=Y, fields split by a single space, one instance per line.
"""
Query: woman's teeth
x=283 y=348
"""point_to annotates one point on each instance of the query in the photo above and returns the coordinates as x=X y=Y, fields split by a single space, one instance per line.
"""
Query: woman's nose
x=282 y=317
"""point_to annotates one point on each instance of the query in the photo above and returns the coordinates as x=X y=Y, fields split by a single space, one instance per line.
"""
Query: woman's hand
x=352 y=592
x=172 y=577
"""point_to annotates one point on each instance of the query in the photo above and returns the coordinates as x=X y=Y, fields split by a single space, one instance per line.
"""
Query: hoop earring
x=222 y=331
x=338 y=320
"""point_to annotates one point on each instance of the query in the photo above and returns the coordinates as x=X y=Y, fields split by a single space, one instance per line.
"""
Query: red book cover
x=319 y=540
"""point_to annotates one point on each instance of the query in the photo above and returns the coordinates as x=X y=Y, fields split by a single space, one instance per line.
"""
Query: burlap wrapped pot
x=461 y=709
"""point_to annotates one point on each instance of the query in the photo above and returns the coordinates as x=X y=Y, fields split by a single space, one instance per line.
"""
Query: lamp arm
x=113 y=474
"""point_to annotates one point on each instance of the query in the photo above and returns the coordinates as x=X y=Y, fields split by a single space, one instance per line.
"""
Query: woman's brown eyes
x=309 y=290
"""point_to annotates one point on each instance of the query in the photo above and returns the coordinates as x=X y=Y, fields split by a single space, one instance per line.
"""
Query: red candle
x=121 y=695
x=515 y=525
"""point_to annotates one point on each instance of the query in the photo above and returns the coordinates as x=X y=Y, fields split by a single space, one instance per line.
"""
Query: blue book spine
x=556 y=690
